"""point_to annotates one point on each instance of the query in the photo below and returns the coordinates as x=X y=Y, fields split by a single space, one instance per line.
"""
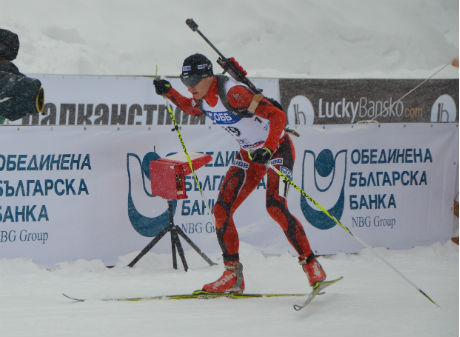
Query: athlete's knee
x=220 y=214
x=274 y=212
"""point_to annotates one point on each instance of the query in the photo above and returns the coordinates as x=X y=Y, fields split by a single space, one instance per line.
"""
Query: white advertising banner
x=71 y=192
x=65 y=191
x=392 y=185
x=114 y=100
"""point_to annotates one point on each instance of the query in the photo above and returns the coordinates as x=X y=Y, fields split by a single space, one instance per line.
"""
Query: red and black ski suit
x=264 y=129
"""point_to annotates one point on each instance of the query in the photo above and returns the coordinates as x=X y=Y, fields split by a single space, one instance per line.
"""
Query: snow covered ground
x=371 y=300
x=291 y=38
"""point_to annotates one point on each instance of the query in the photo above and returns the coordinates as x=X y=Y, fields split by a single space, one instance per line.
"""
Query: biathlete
x=262 y=139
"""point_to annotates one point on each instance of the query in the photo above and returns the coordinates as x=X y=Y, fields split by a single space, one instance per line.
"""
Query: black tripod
x=175 y=243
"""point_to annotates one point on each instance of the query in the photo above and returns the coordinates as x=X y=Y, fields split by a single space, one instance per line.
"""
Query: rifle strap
x=241 y=112
x=255 y=102
x=223 y=97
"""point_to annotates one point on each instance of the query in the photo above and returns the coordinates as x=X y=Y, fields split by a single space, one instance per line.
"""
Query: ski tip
x=317 y=290
x=334 y=280
x=73 y=298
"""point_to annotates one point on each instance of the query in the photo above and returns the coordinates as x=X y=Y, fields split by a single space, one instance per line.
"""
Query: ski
x=316 y=291
x=198 y=294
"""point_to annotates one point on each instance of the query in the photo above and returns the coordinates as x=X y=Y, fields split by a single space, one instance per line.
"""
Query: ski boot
x=313 y=269
x=231 y=281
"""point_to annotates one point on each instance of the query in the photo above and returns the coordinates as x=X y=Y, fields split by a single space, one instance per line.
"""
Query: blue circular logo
x=324 y=163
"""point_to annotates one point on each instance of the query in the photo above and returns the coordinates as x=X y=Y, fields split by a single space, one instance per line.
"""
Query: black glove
x=162 y=87
x=261 y=156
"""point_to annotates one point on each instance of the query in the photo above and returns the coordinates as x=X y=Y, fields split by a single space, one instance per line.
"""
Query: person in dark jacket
x=19 y=94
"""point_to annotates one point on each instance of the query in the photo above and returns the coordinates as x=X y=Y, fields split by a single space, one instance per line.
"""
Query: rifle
x=230 y=65
x=235 y=70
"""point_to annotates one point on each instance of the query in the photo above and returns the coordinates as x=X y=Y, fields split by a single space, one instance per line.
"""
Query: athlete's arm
x=240 y=97
x=186 y=104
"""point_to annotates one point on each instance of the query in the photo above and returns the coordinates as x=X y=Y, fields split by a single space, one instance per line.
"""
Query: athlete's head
x=197 y=75
x=195 y=68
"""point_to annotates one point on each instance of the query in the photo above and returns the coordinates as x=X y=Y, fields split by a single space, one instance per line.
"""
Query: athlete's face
x=200 y=89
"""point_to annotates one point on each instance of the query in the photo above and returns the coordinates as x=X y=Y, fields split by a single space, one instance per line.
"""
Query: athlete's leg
x=238 y=184
x=277 y=207
x=278 y=210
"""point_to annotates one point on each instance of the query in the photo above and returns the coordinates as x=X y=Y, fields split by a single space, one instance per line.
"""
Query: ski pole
x=189 y=160
x=390 y=108
x=301 y=191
